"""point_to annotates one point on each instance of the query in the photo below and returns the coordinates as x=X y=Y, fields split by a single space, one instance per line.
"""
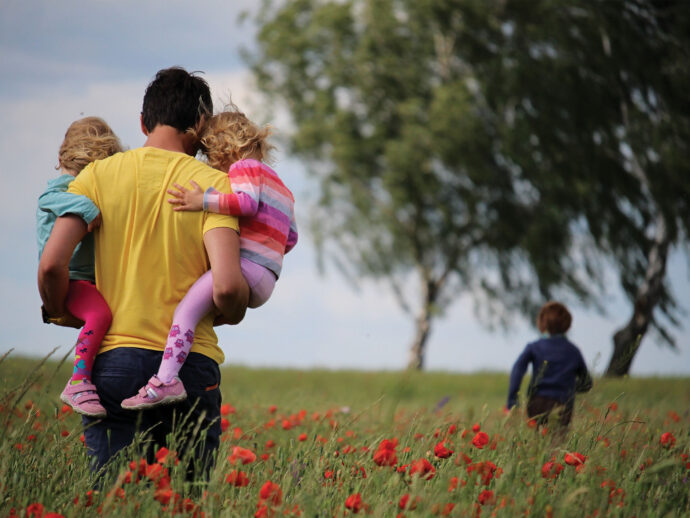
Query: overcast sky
x=64 y=60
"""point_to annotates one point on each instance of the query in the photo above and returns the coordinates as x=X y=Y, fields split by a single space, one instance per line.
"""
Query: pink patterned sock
x=193 y=307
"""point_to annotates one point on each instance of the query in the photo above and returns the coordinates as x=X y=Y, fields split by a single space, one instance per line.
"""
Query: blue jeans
x=120 y=373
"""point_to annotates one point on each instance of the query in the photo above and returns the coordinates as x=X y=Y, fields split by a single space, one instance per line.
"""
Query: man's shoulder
x=204 y=175
x=203 y=168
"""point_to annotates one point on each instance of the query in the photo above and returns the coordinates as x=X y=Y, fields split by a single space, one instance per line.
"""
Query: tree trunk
x=418 y=349
x=422 y=326
x=626 y=341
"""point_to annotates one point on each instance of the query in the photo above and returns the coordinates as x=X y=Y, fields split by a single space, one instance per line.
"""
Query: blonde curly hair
x=230 y=136
x=86 y=140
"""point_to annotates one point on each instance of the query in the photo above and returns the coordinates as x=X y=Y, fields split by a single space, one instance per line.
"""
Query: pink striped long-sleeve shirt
x=265 y=208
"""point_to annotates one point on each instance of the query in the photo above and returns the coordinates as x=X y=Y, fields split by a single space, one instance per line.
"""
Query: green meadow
x=336 y=443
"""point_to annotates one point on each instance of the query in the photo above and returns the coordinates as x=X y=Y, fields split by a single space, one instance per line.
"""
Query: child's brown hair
x=554 y=318
x=86 y=140
x=230 y=136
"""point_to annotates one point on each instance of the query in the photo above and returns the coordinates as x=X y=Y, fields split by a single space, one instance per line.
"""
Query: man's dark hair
x=176 y=98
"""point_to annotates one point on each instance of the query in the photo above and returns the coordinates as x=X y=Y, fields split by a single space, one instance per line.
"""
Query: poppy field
x=340 y=443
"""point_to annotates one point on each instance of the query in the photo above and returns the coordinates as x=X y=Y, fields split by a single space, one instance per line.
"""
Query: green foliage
x=335 y=421
x=502 y=149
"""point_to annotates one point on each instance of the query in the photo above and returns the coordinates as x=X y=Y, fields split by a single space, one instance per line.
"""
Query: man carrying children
x=147 y=257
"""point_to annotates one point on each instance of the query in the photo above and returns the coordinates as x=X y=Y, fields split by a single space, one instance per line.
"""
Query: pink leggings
x=197 y=303
x=86 y=303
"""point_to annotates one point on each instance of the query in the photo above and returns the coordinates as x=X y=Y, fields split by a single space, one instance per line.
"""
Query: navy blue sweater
x=558 y=370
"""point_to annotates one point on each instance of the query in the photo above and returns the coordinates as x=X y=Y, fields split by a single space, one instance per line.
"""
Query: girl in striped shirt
x=265 y=207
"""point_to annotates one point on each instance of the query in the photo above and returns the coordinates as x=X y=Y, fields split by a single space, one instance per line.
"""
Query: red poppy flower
x=156 y=472
x=237 y=478
x=34 y=510
x=480 y=440
x=404 y=500
x=272 y=409
x=164 y=454
x=574 y=459
x=163 y=495
x=262 y=510
x=385 y=458
x=224 y=424
x=476 y=427
x=447 y=509
x=354 y=503
x=242 y=454
x=441 y=451
x=359 y=471
x=89 y=498
x=465 y=458
x=385 y=453
x=485 y=470
x=271 y=492
x=667 y=440
x=423 y=468
x=227 y=409
x=485 y=497
x=302 y=437
x=551 y=469
x=388 y=444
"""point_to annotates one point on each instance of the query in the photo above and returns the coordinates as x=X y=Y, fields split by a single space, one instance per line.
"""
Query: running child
x=558 y=369
x=86 y=140
x=268 y=231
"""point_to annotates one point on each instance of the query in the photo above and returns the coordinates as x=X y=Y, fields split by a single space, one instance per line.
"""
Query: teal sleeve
x=61 y=203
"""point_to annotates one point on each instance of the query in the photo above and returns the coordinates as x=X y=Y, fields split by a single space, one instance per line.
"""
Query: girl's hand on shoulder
x=187 y=199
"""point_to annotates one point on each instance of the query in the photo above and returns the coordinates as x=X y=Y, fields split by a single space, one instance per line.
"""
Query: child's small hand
x=187 y=199
x=95 y=223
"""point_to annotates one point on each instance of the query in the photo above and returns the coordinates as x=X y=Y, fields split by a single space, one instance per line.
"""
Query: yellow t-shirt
x=147 y=255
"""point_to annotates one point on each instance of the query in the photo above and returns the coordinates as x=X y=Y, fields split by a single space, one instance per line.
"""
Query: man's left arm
x=53 y=269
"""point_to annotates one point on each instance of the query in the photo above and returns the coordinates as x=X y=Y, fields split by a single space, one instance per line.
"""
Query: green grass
x=345 y=415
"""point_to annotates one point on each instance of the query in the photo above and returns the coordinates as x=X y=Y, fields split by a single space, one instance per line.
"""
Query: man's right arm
x=230 y=290
x=53 y=268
